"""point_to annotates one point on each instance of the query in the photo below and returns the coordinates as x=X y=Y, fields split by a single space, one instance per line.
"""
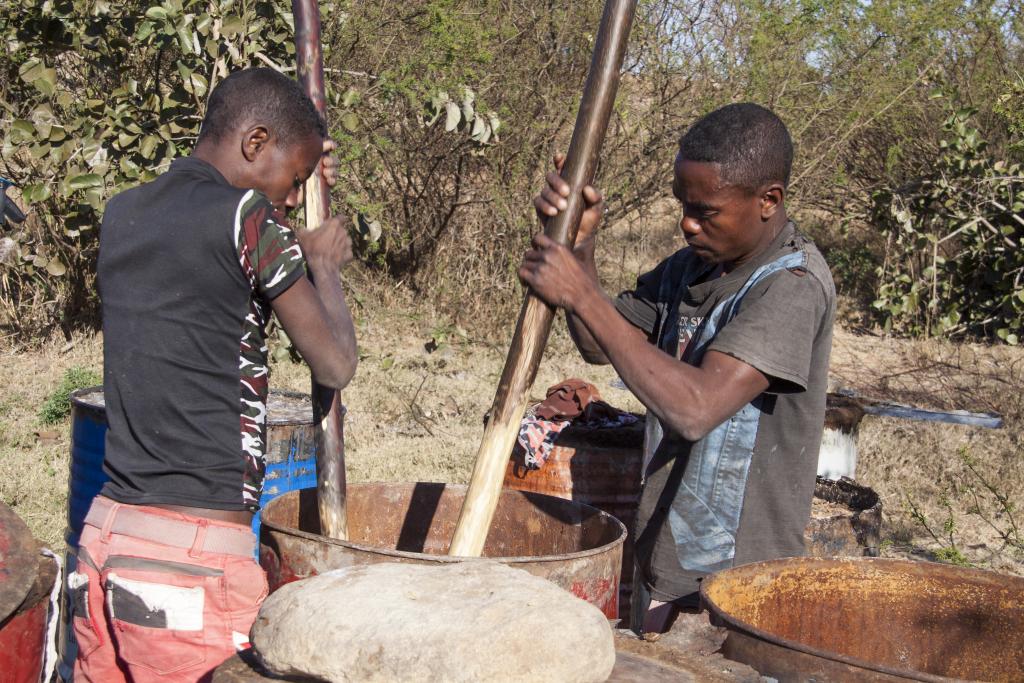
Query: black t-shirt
x=187 y=267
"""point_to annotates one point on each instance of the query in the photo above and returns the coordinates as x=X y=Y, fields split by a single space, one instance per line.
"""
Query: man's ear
x=254 y=142
x=771 y=200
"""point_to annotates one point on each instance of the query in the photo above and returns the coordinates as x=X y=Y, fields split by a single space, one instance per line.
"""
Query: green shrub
x=954 y=263
x=58 y=406
x=970 y=492
x=96 y=97
x=447 y=113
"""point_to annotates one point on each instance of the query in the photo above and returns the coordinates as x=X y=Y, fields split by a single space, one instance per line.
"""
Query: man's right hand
x=553 y=199
x=328 y=247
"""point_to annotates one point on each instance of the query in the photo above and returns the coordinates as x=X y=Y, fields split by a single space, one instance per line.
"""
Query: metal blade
x=960 y=417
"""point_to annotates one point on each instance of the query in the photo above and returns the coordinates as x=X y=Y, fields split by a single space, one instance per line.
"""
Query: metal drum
x=85 y=472
x=602 y=468
x=598 y=467
x=290 y=456
x=571 y=544
x=870 y=619
x=26 y=577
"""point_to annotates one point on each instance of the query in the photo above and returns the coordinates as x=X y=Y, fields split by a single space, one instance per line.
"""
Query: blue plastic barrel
x=85 y=475
x=290 y=456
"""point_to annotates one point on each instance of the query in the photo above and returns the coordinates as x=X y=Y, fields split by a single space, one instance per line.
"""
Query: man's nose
x=294 y=198
x=689 y=225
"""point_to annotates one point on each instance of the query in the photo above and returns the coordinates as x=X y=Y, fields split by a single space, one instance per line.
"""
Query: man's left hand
x=328 y=164
x=554 y=274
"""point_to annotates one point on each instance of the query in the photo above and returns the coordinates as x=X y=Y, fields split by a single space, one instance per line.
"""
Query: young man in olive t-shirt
x=739 y=330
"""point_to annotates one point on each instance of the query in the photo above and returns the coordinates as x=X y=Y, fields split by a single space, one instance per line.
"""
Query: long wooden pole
x=328 y=412
x=535 y=317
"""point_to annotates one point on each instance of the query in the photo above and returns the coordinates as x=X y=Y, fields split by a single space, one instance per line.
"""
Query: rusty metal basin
x=868 y=619
x=26 y=578
x=571 y=544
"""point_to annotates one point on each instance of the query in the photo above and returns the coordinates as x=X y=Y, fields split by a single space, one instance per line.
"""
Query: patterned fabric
x=537 y=437
x=570 y=402
x=270 y=256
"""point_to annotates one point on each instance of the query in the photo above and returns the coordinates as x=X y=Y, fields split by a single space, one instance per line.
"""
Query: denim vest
x=705 y=511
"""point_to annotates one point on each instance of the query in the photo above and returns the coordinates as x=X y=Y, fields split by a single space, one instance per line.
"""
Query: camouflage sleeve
x=268 y=250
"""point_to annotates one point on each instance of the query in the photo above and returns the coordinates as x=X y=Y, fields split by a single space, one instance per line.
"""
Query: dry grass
x=33 y=467
x=917 y=463
x=416 y=415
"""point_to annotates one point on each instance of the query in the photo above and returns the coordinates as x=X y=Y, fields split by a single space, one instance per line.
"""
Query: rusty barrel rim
x=84 y=399
x=767 y=567
x=619 y=539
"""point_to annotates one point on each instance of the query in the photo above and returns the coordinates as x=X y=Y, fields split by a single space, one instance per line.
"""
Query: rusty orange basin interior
x=870 y=619
x=569 y=543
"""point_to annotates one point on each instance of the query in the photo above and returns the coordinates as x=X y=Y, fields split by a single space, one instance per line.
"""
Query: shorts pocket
x=159 y=619
x=245 y=588
x=80 y=587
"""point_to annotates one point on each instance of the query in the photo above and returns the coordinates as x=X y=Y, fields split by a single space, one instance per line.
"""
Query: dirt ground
x=416 y=407
x=416 y=415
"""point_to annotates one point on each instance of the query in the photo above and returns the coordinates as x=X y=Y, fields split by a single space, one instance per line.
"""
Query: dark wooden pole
x=535 y=317
x=328 y=412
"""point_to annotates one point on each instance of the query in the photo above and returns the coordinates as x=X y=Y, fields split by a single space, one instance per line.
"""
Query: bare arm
x=548 y=203
x=585 y=341
x=691 y=400
x=314 y=312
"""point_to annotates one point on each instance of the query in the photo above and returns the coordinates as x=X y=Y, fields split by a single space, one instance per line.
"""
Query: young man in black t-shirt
x=191 y=266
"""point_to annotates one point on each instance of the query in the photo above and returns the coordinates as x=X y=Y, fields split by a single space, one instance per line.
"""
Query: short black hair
x=262 y=96
x=749 y=143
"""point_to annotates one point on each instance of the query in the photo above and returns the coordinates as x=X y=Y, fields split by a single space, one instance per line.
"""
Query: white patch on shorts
x=182 y=607
x=241 y=641
x=77 y=580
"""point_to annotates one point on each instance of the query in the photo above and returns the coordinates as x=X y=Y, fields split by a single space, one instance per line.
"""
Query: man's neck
x=213 y=155
x=772 y=231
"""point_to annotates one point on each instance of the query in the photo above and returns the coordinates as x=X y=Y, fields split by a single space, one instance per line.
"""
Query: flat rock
x=691 y=648
x=467 y=621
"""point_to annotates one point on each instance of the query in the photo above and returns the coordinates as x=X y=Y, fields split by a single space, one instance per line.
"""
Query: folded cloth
x=567 y=399
x=573 y=401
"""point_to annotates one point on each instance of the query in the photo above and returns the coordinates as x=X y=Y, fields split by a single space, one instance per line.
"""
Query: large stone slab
x=472 y=621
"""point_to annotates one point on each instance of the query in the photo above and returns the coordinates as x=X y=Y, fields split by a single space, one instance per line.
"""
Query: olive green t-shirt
x=743 y=492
